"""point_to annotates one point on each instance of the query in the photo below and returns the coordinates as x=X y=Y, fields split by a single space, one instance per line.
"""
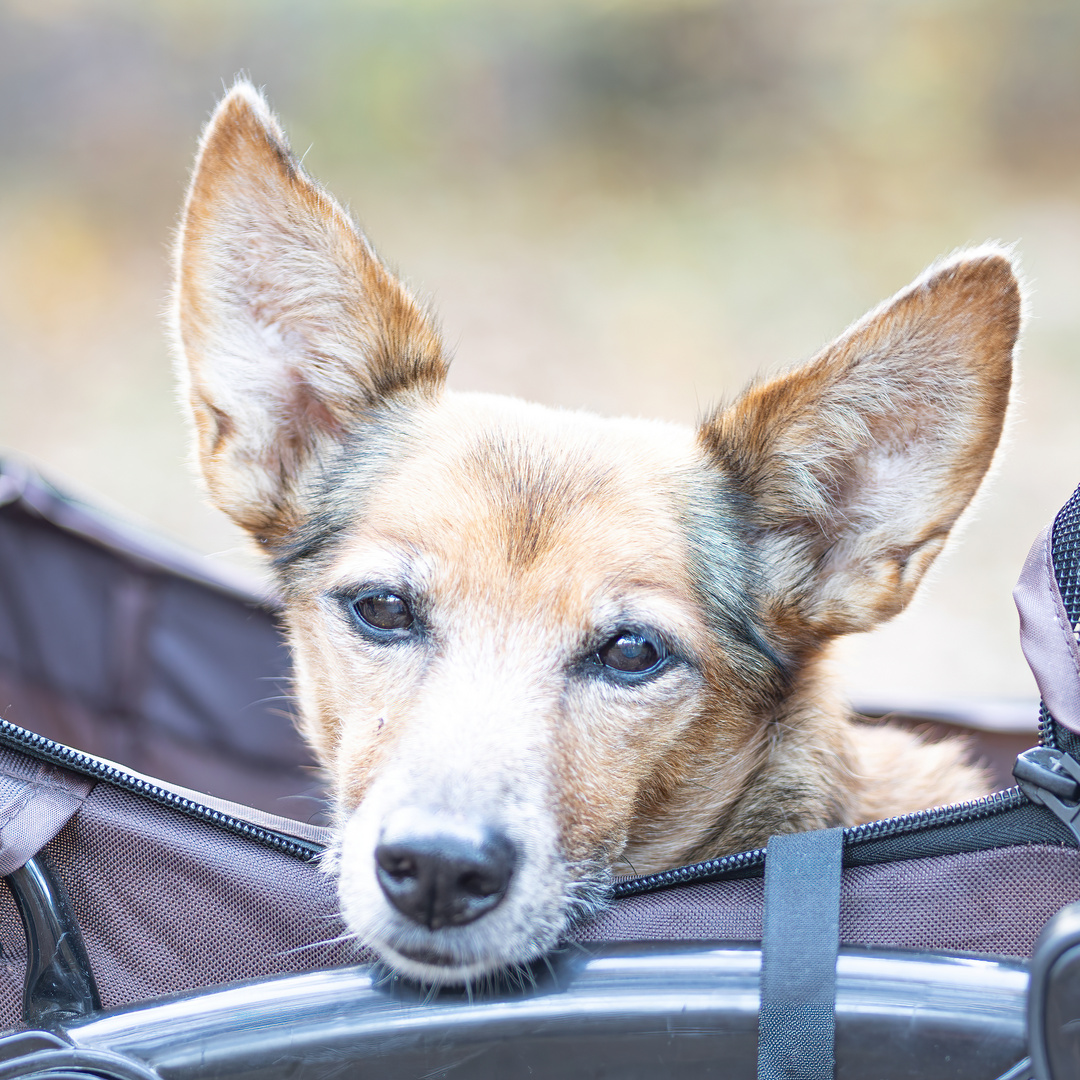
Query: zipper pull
x=1051 y=778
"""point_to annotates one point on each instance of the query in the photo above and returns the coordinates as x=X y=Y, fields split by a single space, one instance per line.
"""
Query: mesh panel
x=1026 y=824
x=1065 y=550
x=169 y=904
x=12 y=962
x=1066 y=553
x=989 y=901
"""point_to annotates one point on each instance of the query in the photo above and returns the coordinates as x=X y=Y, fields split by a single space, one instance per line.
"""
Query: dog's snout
x=445 y=878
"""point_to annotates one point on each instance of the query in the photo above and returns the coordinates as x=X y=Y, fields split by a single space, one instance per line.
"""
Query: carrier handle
x=59 y=986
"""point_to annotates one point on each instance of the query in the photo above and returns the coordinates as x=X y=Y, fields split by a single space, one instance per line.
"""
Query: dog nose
x=446 y=878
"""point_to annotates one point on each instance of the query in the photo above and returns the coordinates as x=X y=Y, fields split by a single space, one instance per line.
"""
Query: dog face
x=534 y=646
x=521 y=612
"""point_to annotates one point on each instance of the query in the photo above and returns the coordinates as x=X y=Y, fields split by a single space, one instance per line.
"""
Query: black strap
x=800 y=939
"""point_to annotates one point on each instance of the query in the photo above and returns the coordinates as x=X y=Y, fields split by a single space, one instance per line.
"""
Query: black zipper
x=37 y=746
x=732 y=865
x=1047 y=735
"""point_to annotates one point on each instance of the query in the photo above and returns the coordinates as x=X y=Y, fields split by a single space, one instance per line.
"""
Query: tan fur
x=322 y=337
x=525 y=540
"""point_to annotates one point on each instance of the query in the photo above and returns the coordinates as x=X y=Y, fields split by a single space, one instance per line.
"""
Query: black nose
x=446 y=879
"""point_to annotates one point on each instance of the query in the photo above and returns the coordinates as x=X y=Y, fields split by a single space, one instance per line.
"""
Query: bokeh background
x=627 y=206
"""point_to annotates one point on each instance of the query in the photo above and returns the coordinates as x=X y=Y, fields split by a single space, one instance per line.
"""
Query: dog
x=535 y=647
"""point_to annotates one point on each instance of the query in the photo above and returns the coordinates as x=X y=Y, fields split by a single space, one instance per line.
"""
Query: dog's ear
x=855 y=467
x=292 y=330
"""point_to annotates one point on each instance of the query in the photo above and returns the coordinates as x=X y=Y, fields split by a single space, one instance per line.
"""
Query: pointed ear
x=855 y=467
x=290 y=330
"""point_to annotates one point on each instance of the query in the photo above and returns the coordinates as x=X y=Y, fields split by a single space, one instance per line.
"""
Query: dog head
x=533 y=645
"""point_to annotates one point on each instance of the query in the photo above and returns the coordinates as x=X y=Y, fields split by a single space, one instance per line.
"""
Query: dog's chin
x=430 y=967
x=458 y=956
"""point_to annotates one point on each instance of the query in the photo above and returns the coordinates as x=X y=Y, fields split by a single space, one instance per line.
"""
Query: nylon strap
x=800 y=939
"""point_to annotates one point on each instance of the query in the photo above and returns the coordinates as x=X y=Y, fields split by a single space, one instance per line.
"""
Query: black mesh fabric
x=1026 y=824
x=1065 y=549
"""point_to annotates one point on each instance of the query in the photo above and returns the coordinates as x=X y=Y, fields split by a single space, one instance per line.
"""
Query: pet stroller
x=150 y=930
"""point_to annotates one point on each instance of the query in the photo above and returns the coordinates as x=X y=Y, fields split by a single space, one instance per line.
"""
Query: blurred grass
x=628 y=206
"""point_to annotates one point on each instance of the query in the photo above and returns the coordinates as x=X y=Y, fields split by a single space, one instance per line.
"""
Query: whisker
x=549 y=965
x=527 y=978
x=340 y=939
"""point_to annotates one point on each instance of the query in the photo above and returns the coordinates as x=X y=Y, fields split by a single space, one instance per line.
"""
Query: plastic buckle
x=1051 y=778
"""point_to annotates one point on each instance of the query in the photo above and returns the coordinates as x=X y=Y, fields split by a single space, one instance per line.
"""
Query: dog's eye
x=630 y=652
x=384 y=611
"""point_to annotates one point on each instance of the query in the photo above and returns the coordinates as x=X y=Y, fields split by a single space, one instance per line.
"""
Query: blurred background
x=626 y=206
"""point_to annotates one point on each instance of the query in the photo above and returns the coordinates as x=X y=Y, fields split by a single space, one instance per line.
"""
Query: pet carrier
x=167 y=918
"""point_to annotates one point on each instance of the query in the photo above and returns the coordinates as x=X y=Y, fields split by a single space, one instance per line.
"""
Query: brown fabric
x=168 y=904
x=1047 y=636
x=12 y=963
x=990 y=901
x=36 y=801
